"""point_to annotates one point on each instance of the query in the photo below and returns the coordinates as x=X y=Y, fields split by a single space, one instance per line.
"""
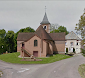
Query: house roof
x=45 y=20
x=72 y=36
x=57 y=36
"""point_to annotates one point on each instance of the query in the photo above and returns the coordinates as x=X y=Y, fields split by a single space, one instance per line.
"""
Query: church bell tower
x=45 y=23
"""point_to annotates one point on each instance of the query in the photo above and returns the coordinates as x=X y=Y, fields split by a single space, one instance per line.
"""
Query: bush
x=83 y=51
x=71 y=54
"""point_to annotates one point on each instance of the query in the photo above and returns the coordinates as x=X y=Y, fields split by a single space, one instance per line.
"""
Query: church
x=41 y=43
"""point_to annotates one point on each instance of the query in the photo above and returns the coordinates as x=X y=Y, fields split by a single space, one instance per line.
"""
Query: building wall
x=75 y=46
x=60 y=47
x=43 y=54
x=19 y=46
x=29 y=45
x=49 y=48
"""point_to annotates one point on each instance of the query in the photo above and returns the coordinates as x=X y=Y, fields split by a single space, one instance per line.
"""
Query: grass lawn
x=81 y=70
x=13 y=58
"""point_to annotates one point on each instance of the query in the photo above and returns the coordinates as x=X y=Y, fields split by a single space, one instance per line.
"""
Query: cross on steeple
x=45 y=8
x=45 y=19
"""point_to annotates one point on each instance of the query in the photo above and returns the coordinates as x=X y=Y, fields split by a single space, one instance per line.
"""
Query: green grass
x=13 y=58
x=81 y=70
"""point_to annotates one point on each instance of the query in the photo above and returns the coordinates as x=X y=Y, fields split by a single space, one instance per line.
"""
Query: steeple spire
x=45 y=19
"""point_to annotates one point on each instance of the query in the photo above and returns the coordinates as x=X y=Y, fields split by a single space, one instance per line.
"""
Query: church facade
x=41 y=43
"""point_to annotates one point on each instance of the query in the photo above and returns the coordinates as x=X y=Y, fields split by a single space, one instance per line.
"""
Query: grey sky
x=15 y=15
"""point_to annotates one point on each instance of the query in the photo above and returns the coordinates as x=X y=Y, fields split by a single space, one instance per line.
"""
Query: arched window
x=35 y=43
x=45 y=27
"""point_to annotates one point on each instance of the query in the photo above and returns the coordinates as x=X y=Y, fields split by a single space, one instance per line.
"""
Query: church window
x=35 y=43
x=45 y=27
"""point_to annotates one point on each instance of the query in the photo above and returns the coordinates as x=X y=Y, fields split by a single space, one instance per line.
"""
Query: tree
x=60 y=29
x=27 y=29
x=2 y=41
x=2 y=33
x=80 y=28
x=53 y=27
x=10 y=41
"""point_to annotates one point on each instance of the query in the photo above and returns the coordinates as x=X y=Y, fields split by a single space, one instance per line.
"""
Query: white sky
x=15 y=15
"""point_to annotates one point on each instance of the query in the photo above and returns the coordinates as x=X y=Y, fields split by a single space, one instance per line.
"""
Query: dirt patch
x=31 y=59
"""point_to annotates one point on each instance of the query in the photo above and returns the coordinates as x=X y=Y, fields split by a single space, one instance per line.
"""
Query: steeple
x=45 y=23
x=45 y=20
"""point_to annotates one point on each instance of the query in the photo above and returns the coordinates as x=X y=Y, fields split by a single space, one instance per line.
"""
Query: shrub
x=83 y=51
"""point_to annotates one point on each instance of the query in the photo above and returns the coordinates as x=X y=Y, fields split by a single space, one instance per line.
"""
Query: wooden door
x=35 y=53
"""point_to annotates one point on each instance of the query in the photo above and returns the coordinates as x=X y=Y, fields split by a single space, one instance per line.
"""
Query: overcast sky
x=15 y=15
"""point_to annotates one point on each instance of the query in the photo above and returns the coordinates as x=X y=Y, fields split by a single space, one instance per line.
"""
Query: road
x=67 y=68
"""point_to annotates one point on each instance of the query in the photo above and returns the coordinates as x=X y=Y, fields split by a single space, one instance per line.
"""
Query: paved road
x=67 y=68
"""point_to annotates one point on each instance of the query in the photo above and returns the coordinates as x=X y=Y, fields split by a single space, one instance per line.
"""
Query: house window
x=77 y=43
x=71 y=43
x=35 y=43
x=65 y=43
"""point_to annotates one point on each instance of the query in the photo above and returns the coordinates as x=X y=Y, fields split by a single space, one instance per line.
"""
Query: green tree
x=2 y=33
x=60 y=29
x=10 y=41
x=15 y=42
x=2 y=41
x=80 y=28
x=27 y=29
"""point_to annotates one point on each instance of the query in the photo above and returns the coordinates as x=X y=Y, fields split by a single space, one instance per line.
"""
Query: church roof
x=72 y=36
x=24 y=36
x=42 y=33
x=45 y=20
x=58 y=36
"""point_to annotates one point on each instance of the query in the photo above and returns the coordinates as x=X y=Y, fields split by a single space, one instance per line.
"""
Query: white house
x=72 y=43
